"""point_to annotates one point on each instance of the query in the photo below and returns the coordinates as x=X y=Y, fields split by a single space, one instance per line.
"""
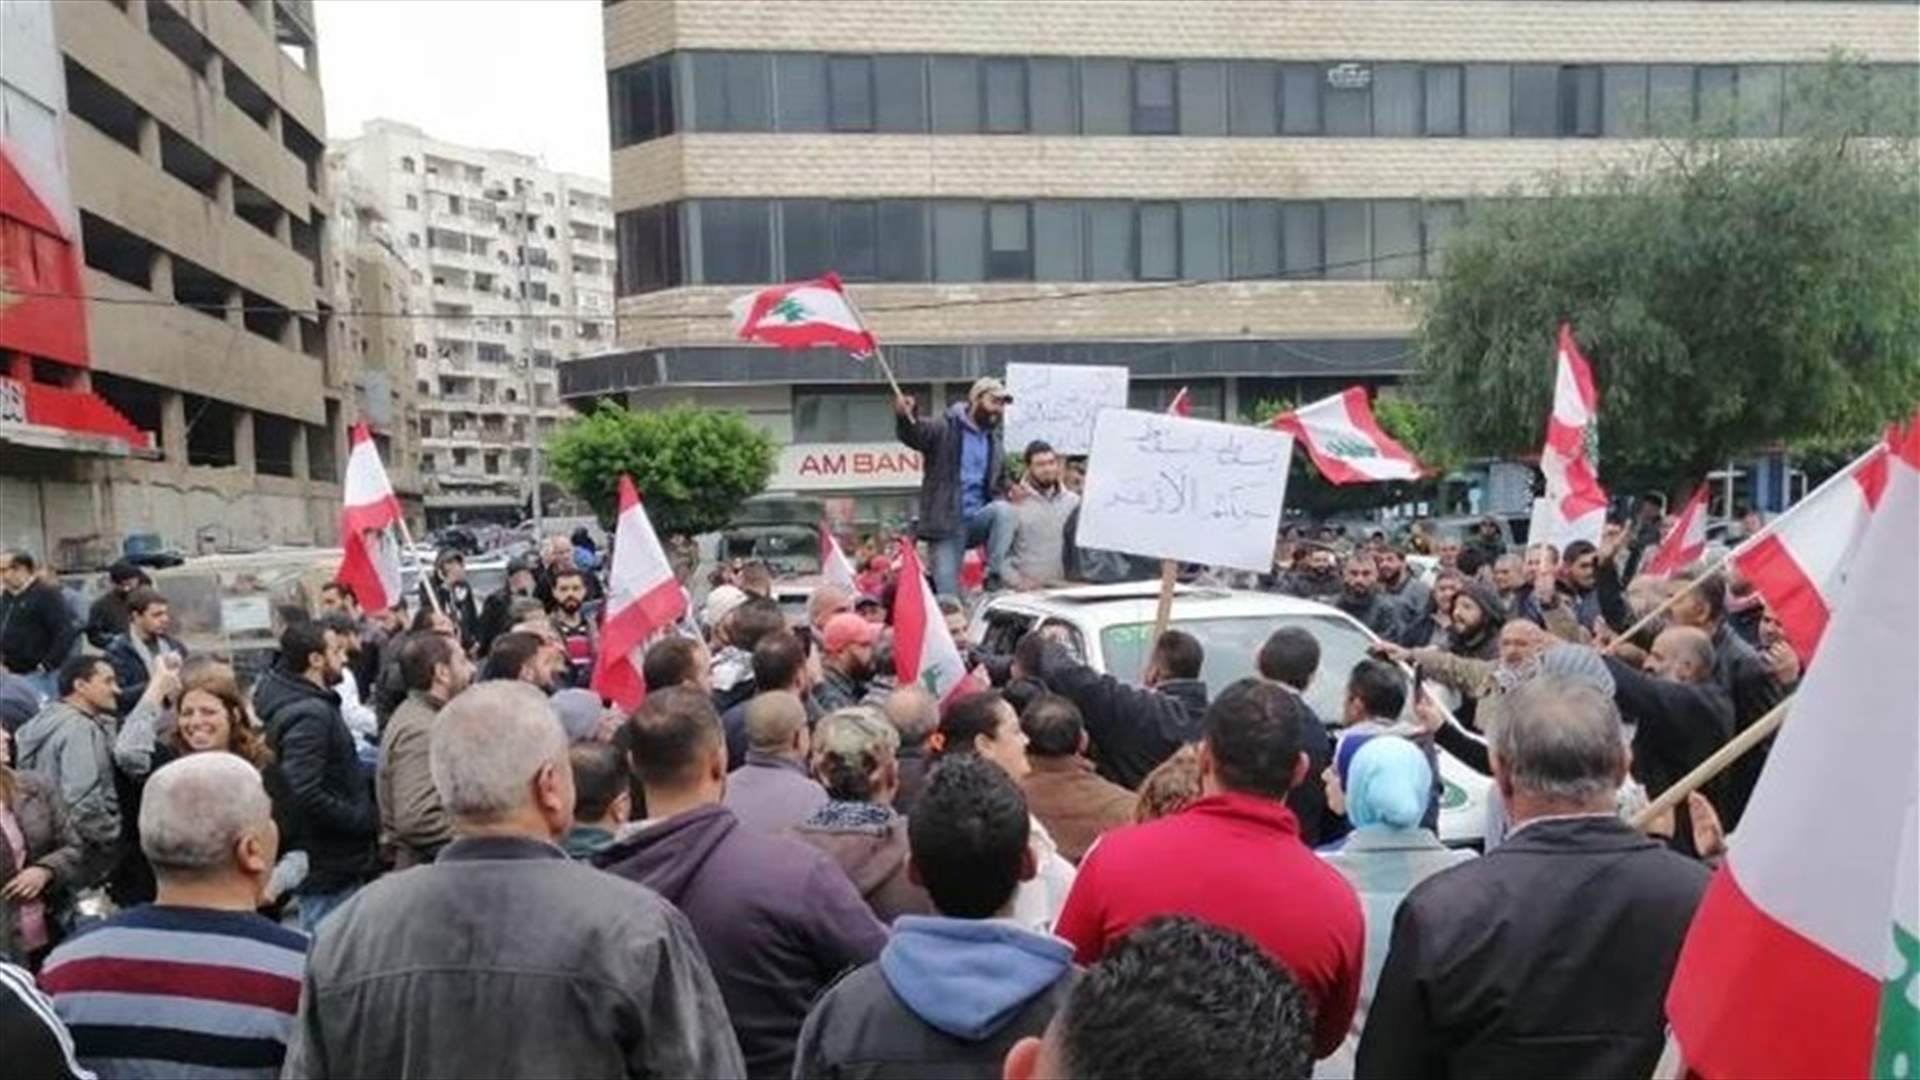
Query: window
x=639 y=102
x=1159 y=258
x=1057 y=247
x=1580 y=100
x=1006 y=95
x=1716 y=95
x=856 y=240
x=1301 y=235
x=1009 y=243
x=1203 y=97
x=426 y=463
x=850 y=93
x=1253 y=96
x=956 y=95
x=731 y=91
x=1347 y=107
x=406 y=164
x=1397 y=108
x=843 y=416
x=1396 y=238
x=1203 y=240
x=493 y=464
x=1441 y=217
x=1255 y=231
x=1052 y=107
x=801 y=82
x=1895 y=100
x=959 y=250
x=460 y=455
x=806 y=238
x=900 y=93
x=1109 y=225
x=1300 y=99
x=1762 y=89
x=1536 y=100
x=1489 y=101
x=1623 y=110
x=413 y=240
x=1349 y=240
x=903 y=245
x=1669 y=98
x=735 y=240
x=413 y=202
x=1154 y=99
x=1104 y=97
x=1446 y=113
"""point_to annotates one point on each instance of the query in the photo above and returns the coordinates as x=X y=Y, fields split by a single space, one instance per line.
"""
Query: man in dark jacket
x=1551 y=955
x=950 y=993
x=449 y=584
x=963 y=473
x=36 y=629
x=328 y=809
x=107 y=618
x=1133 y=728
x=496 y=614
x=778 y=920
x=1743 y=673
x=134 y=652
x=1680 y=716
x=1361 y=598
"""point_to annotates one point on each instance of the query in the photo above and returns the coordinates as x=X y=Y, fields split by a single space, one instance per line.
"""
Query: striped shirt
x=179 y=992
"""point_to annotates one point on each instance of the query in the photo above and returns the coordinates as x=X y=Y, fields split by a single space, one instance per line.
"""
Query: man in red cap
x=847 y=662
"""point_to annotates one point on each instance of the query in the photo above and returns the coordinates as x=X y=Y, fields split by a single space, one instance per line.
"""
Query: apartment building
x=511 y=267
x=1218 y=194
x=199 y=385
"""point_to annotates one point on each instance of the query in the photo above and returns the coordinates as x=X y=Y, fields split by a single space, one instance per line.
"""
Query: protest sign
x=1057 y=403
x=1167 y=487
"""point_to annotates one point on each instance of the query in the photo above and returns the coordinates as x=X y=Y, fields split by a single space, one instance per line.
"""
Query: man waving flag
x=371 y=559
x=643 y=598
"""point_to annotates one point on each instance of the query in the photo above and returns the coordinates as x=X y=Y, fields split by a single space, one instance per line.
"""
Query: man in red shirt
x=1234 y=859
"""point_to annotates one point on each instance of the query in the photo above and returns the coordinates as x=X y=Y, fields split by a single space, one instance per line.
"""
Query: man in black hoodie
x=1133 y=728
x=322 y=795
x=777 y=919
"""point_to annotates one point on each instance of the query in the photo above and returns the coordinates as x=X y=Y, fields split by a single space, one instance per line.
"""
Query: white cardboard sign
x=1167 y=487
x=1059 y=402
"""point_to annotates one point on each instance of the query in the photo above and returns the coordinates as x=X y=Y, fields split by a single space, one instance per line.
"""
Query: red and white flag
x=834 y=566
x=1684 y=543
x=1181 y=405
x=1346 y=442
x=1803 y=957
x=1576 y=504
x=802 y=315
x=923 y=651
x=371 y=559
x=1799 y=561
x=643 y=598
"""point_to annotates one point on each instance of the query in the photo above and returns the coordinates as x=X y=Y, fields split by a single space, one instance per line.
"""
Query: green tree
x=694 y=467
x=1732 y=295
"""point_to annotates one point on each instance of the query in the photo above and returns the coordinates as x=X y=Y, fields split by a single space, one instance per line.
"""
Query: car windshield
x=1231 y=645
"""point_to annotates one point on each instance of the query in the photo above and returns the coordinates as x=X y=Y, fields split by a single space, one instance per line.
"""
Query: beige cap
x=989 y=386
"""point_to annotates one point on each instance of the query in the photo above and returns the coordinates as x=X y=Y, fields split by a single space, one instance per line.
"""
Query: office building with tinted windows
x=1218 y=194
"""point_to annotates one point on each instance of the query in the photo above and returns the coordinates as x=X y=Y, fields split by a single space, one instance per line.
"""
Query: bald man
x=772 y=791
x=1679 y=712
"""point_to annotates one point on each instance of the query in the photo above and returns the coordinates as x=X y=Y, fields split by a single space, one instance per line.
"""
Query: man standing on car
x=963 y=474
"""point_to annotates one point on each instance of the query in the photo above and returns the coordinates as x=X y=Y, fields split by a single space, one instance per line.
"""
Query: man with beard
x=321 y=791
x=1741 y=671
x=1035 y=554
x=1360 y=596
x=576 y=624
x=556 y=558
x=413 y=824
x=1315 y=574
x=963 y=477
x=847 y=662
x=496 y=615
x=1400 y=586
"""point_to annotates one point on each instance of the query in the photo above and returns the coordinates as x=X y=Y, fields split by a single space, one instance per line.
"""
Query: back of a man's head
x=671 y=661
x=968 y=837
x=193 y=813
x=511 y=653
x=778 y=659
x=1053 y=725
x=298 y=644
x=1379 y=687
x=1177 y=997
x=1253 y=736
x=600 y=777
x=1177 y=655
x=774 y=717
x=753 y=621
x=1560 y=742
x=487 y=746
x=914 y=713
x=1291 y=655
x=420 y=657
x=673 y=737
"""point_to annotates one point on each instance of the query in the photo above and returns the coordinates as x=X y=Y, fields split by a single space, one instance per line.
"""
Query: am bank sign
x=846 y=467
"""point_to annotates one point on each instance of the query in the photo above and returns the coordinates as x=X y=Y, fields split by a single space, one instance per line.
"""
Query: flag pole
x=406 y=537
x=1715 y=764
x=1163 y=612
x=879 y=354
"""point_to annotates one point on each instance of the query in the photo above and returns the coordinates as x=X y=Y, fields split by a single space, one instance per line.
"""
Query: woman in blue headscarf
x=1383 y=782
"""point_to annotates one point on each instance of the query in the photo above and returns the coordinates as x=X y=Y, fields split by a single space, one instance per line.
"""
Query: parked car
x=1111 y=627
x=235 y=606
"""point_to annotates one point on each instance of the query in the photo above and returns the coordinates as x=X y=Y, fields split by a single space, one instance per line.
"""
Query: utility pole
x=531 y=395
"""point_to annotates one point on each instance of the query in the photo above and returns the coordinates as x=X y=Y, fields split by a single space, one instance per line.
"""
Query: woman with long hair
x=40 y=855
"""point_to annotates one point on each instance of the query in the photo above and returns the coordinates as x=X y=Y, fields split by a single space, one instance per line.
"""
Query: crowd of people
x=425 y=846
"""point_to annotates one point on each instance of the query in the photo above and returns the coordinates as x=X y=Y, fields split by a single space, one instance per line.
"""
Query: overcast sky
x=523 y=75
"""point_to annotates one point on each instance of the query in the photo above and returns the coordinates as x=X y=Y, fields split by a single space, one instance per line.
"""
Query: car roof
x=1134 y=602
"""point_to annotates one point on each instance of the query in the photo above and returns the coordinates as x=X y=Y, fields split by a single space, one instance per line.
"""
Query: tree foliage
x=694 y=467
x=1732 y=295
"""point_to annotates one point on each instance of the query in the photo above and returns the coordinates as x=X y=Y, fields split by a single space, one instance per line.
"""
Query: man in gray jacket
x=504 y=957
x=1034 y=552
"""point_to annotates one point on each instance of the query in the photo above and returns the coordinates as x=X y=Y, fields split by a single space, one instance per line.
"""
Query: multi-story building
x=190 y=141
x=511 y=268
x=1219 y=194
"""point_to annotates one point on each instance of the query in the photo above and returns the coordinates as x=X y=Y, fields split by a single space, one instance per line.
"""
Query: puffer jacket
x=325 y=799
x=74 y=752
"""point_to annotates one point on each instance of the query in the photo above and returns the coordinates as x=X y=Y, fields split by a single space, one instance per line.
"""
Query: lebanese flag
x=802 y=315
x=1796 y=952
x=1799 y=561
x=923 y=651
x=1684 y=543
x=370 y=562
x=1346 y=442
x=834 y=566
x=643 y=598
x=1573 y=482
x=1181 y=405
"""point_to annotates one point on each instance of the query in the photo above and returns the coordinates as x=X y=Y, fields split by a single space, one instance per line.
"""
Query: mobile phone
x=1419 y=684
